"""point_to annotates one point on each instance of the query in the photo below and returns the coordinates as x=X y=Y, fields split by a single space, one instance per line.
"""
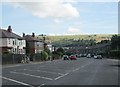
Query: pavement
x=83 y=71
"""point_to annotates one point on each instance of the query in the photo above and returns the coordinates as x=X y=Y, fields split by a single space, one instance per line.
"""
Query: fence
x=11 y=58
x=17 y=58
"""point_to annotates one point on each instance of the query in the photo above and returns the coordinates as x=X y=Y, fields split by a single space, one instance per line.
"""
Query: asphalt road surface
x=83 y=71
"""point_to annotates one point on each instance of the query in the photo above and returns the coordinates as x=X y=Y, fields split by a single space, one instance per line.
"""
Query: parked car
x=92 y=55
x=97 y=57
x=65 y=57
x=89 y=56
x=83 y=55
x=79 y=56
x=73 y=57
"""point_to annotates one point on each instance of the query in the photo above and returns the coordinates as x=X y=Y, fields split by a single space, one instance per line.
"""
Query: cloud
x=56 y=9
x=71 y=1
x=73 y=30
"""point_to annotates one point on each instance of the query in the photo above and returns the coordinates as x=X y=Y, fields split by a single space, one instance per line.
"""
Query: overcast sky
x=60 y=17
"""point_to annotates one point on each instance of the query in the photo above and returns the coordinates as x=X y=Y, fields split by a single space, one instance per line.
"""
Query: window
x=9 y=41
x=21 y=42
x=13 y=42
x=15 y=50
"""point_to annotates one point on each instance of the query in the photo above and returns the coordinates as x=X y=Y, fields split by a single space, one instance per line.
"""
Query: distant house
x=49 y=43
x=11 y=42
x=33 y=44
x=50 y=47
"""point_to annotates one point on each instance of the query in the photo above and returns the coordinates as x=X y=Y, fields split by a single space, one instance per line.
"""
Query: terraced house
x=11 y=42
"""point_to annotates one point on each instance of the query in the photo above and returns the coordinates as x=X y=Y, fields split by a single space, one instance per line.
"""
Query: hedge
x=115 y=54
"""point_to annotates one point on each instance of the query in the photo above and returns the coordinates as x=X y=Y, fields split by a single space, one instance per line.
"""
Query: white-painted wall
x=3 y=42
x=50 y=47
x=16 y=44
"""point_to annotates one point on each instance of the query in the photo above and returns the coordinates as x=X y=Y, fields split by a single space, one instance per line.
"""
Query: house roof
x=31 y=38
x=7 y=34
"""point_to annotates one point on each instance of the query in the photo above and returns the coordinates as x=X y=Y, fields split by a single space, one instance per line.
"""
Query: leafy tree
x=61 y=50
x=115 y=42
x=47 y=50
x=45 y=55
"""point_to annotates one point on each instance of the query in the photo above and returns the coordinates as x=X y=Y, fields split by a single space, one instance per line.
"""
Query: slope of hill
x=97 y=37
x=73 y=40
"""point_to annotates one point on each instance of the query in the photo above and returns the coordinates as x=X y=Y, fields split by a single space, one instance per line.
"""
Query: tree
x=47 y=50
x=45 y=55
x=115 y=42
x=61 y=50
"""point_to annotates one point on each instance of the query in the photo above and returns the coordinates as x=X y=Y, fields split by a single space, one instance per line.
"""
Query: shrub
x=115 y=53
x=45 y=55
x=38 y=56
x=60 y=50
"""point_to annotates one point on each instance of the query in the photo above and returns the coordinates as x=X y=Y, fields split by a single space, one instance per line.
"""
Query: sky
x=60 y=17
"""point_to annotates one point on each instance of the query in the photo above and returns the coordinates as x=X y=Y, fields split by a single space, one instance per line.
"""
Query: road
x=83 y=71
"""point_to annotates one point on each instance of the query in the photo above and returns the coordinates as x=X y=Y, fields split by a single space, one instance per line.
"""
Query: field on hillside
x=97 y=37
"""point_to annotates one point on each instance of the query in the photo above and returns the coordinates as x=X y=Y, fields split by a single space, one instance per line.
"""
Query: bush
x=115 y=53
x=45 y=55
x=38 y=56
x=56 y=55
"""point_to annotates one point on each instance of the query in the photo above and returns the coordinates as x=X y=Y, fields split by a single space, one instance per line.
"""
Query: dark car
x=65 y=57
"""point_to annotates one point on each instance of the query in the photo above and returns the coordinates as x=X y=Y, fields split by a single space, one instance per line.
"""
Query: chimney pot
x=9 y=29
x=23 y=34
x=33 y=34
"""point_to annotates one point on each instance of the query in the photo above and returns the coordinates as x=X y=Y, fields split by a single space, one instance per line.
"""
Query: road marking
x=41 y=85
x=22 y=83
x=61 y=76
x=75 y=69
x=8 y=66
x=44 y=71
x=80 y=67
x=32 y=75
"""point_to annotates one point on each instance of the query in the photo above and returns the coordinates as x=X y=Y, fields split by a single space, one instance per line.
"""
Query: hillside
x=73 y=40
x=97 y=37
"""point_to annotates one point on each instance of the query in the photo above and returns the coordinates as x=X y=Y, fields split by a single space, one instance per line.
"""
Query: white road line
x=44 y=71
x=9 y=66
x=61 y=76
x=41 y=85
x=32 y=75
x=80 y=67
x=22 y=83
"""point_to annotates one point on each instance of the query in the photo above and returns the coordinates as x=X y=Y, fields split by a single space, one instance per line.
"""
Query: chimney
x=23 y=34
x=33 y=34
x=9 y=29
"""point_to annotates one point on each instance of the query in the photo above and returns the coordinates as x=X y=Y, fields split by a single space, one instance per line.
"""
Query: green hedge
x=115 y=54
